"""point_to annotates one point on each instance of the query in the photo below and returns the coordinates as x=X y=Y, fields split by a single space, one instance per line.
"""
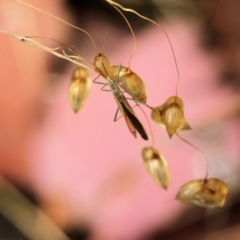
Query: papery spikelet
x=102 y=66
x=171 y=116
x=131 y=83
x=79 y=88
x=157 y=166
x=205 y=193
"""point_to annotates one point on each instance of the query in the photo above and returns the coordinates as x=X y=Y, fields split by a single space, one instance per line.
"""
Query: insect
x=104 y=68
x=126 y=110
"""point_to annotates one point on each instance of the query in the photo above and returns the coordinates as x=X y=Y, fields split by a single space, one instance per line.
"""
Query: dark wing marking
x=135 y=122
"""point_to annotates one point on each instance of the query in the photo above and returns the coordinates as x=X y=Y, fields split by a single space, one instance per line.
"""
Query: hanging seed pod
x=103 y=66
x=205 y=193
x=171 y=116
x=131 y=83
x=79 y=88
x=157 y=166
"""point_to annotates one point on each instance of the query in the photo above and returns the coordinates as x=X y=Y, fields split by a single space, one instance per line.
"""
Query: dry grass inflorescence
x=127 y=86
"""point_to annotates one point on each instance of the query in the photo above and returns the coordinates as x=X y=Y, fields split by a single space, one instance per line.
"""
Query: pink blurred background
x=87 y=169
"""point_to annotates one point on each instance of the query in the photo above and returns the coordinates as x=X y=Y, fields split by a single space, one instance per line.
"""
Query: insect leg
x=98 y=82
x=115 y=117
x=101 y=83
x=105 y=90
x=137 y=102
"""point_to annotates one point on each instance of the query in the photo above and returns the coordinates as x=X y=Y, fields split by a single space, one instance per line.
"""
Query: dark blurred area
x=199 y=223
x=81 y=10
x=8 y=231
x=222 y=35
x=20 y=211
